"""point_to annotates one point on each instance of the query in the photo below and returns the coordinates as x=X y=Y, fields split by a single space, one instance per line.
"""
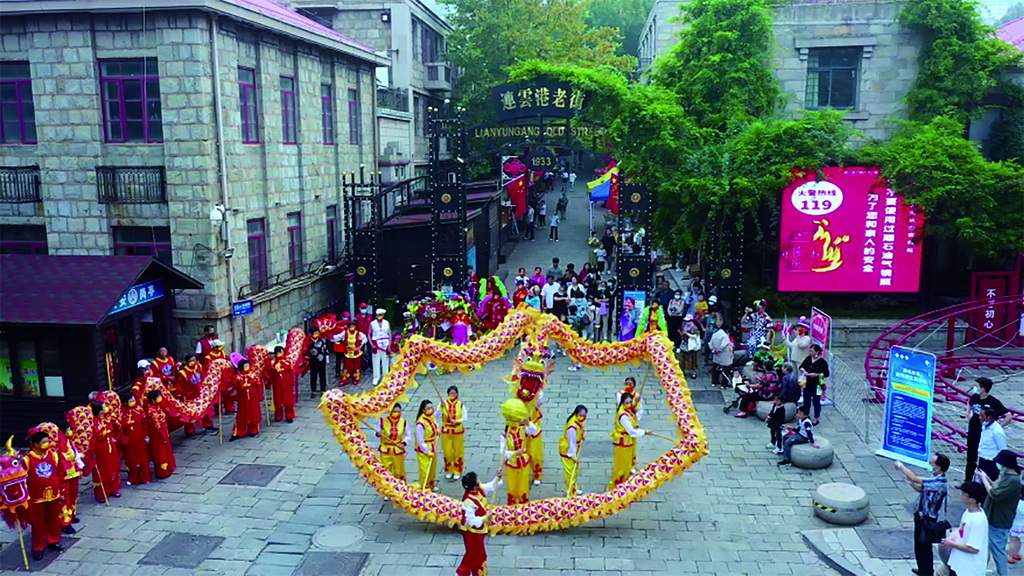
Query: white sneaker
x=579 y=492
x=448 y=477
x=632 y=471
x=770 y=446
x=536 y=482
x=777 y=451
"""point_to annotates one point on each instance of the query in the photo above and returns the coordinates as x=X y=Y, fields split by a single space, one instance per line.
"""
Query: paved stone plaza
x=735 y=512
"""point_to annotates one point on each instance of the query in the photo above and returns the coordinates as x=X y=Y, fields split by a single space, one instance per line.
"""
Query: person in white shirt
x=967 y=543
x=548 y=292
x=799 y=342
x=380 y=342
x=993 y=441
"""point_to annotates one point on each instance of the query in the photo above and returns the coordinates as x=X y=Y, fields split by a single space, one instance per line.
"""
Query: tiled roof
x=40 y=289
x=1013 y=32
x=284 y=14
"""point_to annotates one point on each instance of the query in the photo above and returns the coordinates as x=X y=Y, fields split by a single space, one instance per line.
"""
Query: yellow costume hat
x=514 y=411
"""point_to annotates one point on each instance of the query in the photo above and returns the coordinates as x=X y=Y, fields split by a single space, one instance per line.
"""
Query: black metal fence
x=19 y=184
x=393 y=99
x=131 y=184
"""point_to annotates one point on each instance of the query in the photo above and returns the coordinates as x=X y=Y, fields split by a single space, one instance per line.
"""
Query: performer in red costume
x=143 y=371
x=45 y=489
x=352 y=344
x=226 y=384
x=282 y=381
x=493 y=303
x=134 y=440
x=520 y=295
x=106 y=447
x=71 y=466
x=164 y=367
x=249 y=387
x=363 y=319
x=188 y=380
x=159 y=438
x=475 y=519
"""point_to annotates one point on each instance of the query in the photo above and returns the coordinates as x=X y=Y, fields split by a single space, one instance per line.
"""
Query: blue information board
x=907 y=428
x=241 y=308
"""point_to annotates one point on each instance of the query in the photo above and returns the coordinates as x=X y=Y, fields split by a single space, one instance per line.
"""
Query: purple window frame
x=24 y=240
x=248 y=107
x=152 y=247
x=256 y=239
x=289 y=112
x=295 y=260
x=332 y=233
x=327 y=113
x=150 y=134
x=353 y=117
x=22 y=101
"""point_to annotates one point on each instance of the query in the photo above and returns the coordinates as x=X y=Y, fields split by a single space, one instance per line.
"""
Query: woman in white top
x=799 y=342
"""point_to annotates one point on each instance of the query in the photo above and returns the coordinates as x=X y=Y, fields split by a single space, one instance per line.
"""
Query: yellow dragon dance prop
x=344 y=412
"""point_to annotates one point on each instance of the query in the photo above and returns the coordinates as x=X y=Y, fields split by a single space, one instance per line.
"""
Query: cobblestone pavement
x=733 y=513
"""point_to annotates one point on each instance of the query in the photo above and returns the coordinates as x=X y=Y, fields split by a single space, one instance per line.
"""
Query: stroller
x=722 y=375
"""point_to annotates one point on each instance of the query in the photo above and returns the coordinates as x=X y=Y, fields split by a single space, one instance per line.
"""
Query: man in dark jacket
x=789 y=389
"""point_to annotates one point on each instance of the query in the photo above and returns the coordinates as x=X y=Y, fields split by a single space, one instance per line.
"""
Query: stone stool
x=765 y=406
x=811 y=458
x=843 y=504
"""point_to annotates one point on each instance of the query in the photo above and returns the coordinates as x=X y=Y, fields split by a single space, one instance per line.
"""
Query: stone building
x=844 y=54
x=212 y=134
x=418 y=78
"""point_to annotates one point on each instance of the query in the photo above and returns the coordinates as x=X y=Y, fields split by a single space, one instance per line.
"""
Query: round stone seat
x=811 y=458
x=764 y=407
x=842 y=504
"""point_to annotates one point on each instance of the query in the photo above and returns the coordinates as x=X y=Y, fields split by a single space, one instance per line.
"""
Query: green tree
x=961 y=59
x=977 y=202
x=629 y=16
x=490 y=36
x=720 y=69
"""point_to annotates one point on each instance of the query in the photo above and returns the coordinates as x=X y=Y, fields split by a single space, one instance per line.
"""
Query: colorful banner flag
x=517 y=194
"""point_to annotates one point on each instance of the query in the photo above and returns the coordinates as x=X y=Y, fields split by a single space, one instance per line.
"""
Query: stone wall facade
x=886 y=68
x=268 y=180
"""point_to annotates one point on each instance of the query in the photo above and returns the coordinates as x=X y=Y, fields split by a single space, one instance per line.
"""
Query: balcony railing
x=131 y=184
x=19 y=184
x=439 y=76
x=393 y=99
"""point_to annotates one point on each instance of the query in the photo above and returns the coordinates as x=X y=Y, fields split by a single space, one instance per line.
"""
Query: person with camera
x=929 y=526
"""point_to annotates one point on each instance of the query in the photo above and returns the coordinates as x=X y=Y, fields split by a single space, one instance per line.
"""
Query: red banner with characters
x=848 y=232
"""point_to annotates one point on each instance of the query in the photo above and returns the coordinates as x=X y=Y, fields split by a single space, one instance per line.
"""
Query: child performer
x=159 y=437
x=188 y=380
x=624 y=437
x=475 y=519
x=248 y=388
x=513 y=445
x=569 y=447
x=45 y=485
x=426 y=447
x=453 y=432
x=134 y=438
x=394 y=437
x=282 y=380
x=106 y=476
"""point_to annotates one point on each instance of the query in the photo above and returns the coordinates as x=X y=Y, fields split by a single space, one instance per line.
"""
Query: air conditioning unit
x=393 y=149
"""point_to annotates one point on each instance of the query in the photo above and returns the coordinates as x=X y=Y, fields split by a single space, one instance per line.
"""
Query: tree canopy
x=489 y=37
x=629 y=16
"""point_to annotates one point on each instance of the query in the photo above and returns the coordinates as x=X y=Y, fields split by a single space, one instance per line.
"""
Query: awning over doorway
x=82 y=290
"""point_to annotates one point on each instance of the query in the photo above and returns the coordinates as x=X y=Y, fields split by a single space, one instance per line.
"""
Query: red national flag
x=613 y=197
x=517 y=194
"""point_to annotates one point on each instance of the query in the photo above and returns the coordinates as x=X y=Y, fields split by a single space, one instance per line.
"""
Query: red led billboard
x=848 y=232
